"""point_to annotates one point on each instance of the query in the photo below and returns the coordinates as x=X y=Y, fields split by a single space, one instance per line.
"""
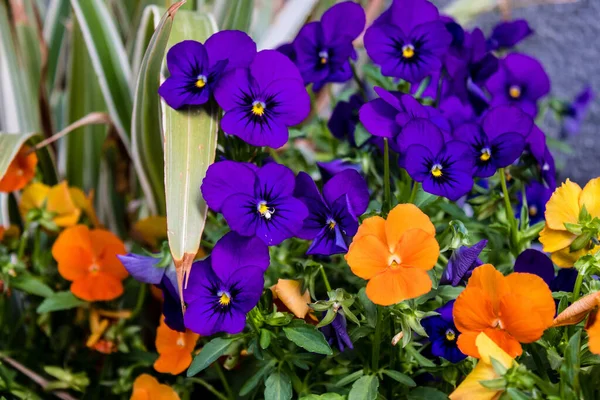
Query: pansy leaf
x=426 y=393
x=59 y=301
x=308 y=337
x=350 y=378
x=400 y=377
x=278 y=386
x=32 y=285
x=366 y=388
x=210 y=352
x=255 y=379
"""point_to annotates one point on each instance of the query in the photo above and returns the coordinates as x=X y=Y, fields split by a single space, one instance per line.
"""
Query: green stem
x=140 y=301
x=377 y=341
x=443 y=259
x=224 y=380
x=413 y=193
x=387 y=196
x=510 y=215
x=209 y=387
x=359 y=83
x=325 y=280
x=577 y=287
x=23 y=243
x=422 y=87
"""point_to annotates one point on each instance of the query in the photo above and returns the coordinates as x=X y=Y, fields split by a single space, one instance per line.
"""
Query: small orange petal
x=466 y=343
x=402 y=218
x=73 y=252
x=577 y=311
x=563 y=206
x=491 y=281
x=97 y=287
x=106 y=247
x=20 y=171
x=372 y=226
x=288 y=292
x=473 y=310
x=394 y=286
x=418 y=249
x=368 y=256
x=505 y=341
x=146 y=387
x=174 y=349
x=593 y=331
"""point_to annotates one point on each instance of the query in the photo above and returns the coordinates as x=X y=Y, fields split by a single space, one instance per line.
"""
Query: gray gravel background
x=567 y=42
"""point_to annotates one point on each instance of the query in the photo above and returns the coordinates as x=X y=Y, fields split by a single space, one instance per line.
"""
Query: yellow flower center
x=225 y=298
x=324 y=55
x=258 y=108
x=264 y=210
x=180 y=340
x=331 y=224
x=408 y=51
x=94 y=268
x=436 y=170
x=533 y=211
x=450 y=335
x=394 y=261
x=486 y=154
x=514 y=91
x=201 y=82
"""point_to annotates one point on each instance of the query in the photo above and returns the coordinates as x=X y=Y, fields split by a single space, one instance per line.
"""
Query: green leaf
x=350 y=378
x=210 y=352
x=288 y=22
x=366 y=388
x=109 y=60
x=255 y=379
x=400 y=377
x=59 y=301
x=54 y=35
x=309 y=338
x=32 y=285
x=238 y=15
x=190 y=148
x=147 y=141
x=426 y=393
x=83 y=145
x=278 y=386
x=18 y=112
x=324 y=396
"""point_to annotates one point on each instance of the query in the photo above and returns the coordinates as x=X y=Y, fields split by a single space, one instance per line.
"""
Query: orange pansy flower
x=88 y=258
x=564 y=207
x=146 y=387
x=174 y=349
x=20 y=171
x=394 y=255
x=287 y=293
x=471 y=388
x=510 y=310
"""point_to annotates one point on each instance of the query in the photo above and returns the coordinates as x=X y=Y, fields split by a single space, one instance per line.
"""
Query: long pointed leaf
x=54 y=35
x=110 y=62
x=238 y=16
x=190 y=146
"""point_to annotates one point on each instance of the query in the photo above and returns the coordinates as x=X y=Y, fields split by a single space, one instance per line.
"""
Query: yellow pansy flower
x=471 y=388
x=564 y=207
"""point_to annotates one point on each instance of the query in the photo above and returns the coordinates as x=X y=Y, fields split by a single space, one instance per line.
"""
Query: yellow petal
x=471 y=389
x=554 y=240
x=85 y=203
x=61 y=203
x=489 y=349
x=151 y=230
x=590 y=197
x=563 y=206
x=33 y=197
x=565 y=259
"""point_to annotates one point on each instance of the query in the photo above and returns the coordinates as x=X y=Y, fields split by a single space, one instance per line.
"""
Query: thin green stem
x=209 y=387
x=325 y=280
x=387 y=196
x=510 y=215
x=140 y=301
x=377 y=340
x=359 y=83
x=443 y=259
x=224 y=380
x=422 y=87
x=577 y=287
x=23 y=243
x=413 y=193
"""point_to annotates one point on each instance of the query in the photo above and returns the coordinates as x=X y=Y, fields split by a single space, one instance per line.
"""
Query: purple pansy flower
x=537 y=195
x=506 y=35
x=535 y=262
x=145 y=269
x=333 y=217
x=498 y=141
x=263 y=100
x=287 y=49
x=408 y=40
x=196 y=69
x=461 y=264
x=387 y=115
x=336 y=333
x=331 y=168
x=344 y=118
x=520 y=81
x=323 y=49
x=444 y=169
x=443 y=334
x=574 y=113
x=255 y=201
x=224 y=287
